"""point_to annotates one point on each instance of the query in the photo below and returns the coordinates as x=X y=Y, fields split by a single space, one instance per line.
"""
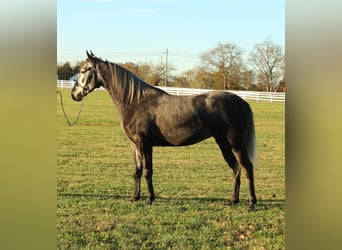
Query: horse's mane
x=127 y=86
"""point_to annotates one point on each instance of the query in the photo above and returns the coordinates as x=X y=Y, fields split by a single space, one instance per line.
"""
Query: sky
x=141 y=31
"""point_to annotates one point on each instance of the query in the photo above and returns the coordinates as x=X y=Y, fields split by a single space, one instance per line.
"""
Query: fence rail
x=257 y=96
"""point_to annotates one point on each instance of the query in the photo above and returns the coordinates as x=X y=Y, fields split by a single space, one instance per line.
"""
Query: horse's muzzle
x=77 y=94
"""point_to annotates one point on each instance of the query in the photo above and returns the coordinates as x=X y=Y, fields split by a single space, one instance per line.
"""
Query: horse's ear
x=91 y=56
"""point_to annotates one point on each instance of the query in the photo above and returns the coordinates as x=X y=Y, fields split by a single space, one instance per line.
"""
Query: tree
x=134 y=68
x=180 y=81
x=65 y=71
x=145 y=72
x=152 y=73
x=268 y=60
x=225 y=60
x=199 y=77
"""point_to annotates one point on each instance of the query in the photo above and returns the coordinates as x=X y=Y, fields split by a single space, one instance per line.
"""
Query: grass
x=192 y=184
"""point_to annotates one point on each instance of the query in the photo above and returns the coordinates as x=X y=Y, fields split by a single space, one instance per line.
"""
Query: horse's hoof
x=251 y=208
x=149 y=202
x=232 y=202
x=252 y=203
x=133 y=199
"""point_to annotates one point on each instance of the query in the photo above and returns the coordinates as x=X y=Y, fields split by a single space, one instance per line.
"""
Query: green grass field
x=192 y=185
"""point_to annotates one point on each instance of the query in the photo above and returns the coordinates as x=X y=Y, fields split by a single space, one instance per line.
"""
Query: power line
x=121 y=56
x=68 y=56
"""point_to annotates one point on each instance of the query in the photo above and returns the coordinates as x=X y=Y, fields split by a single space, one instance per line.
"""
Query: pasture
x=192 y=185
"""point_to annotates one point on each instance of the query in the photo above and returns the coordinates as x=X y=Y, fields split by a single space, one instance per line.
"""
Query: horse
x=151 y=117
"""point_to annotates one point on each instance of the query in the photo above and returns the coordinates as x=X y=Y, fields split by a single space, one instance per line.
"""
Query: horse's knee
x=148 y=173
x=137 y=173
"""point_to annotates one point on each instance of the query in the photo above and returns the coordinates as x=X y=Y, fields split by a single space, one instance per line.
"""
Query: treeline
x=222 y=67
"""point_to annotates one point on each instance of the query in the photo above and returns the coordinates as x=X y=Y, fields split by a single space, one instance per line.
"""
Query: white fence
x=65 y=84
x=247 y=95
x=257 y=96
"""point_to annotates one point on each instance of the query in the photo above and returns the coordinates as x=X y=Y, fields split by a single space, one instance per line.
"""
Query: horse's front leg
x=142 y=155
x=137 y=173
x=148 y=172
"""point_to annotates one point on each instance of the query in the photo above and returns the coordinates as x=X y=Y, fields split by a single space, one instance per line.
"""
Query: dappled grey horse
x=151 y=117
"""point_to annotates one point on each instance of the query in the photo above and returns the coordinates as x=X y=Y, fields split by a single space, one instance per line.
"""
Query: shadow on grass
x=100 y=196
x=263 y=204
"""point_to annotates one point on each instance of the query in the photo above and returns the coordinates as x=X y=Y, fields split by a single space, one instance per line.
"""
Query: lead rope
x=65 y=115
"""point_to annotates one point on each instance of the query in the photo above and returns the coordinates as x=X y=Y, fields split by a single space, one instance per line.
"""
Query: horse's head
x=88 y=79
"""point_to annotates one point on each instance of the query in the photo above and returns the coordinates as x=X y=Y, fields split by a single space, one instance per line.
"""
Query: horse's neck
x=109 y=84
x=113 y=94
x=113 y=87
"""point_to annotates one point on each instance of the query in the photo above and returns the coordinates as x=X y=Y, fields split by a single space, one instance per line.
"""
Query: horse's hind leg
x=229 y=157
x=244 y=161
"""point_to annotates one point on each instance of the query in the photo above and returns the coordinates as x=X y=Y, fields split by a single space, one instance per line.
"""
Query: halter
x=85 y=88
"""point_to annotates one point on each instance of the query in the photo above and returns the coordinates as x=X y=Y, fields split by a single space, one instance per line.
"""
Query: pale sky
x=140 y=31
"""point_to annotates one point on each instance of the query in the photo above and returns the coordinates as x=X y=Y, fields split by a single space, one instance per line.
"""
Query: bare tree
x=268 y=60
x=150 y=72
x=225 y=58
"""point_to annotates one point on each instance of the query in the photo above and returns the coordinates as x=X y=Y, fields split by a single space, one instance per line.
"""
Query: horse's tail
x=251 y=144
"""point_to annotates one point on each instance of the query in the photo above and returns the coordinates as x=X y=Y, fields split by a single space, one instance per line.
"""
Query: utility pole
x=166 y=58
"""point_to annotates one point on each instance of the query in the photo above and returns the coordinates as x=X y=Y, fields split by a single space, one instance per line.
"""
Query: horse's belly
x=179 y=124
x=181 y=136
